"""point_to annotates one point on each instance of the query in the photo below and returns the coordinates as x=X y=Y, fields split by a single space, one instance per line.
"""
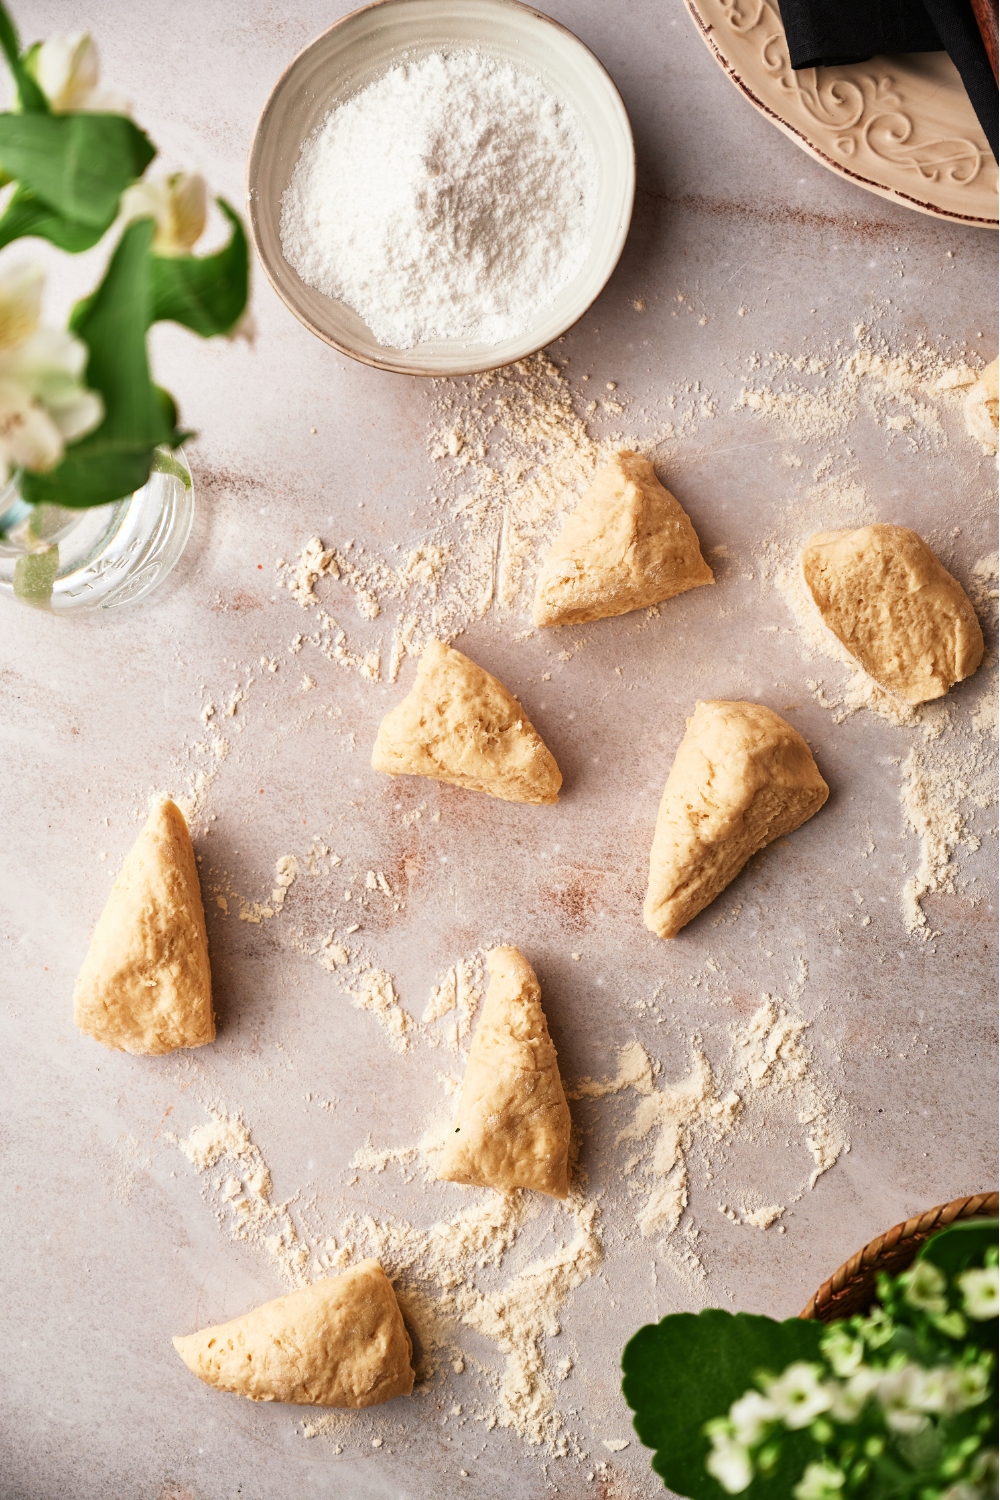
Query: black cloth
x=824 y=33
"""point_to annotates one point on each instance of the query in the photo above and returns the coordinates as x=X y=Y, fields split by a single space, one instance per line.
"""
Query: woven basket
x=851 y=1289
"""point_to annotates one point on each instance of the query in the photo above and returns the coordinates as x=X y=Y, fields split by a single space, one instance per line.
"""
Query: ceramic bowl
x=362 y=47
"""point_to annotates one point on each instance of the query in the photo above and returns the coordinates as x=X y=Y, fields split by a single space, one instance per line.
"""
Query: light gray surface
x=107 y=1253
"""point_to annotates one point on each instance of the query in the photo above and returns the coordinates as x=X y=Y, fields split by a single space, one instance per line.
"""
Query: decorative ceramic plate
x=901 y=127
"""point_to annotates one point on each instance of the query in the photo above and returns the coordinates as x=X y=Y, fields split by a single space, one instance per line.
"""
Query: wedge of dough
x=339 y=1342
x=145 y=985
x=511 y=1128
x=627 y=545
x=458 y=724
x=741 y=777
x=900 y=614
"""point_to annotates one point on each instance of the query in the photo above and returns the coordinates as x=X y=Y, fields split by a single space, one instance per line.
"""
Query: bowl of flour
x=441 y=187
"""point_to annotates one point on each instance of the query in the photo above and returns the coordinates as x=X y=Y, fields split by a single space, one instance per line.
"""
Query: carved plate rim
x=706 y=27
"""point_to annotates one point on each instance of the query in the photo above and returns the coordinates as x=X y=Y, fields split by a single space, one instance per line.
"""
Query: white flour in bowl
x=452 y=198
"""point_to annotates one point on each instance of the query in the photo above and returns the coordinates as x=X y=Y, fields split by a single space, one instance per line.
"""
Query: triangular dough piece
x=145 y=985
x=899 y=613
x=741 y=778
x=460 y=725
x=627 y=545
x=339 y=1342
x=511 y=1128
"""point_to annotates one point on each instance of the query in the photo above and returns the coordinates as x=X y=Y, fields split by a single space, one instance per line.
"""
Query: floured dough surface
x=458 y=724
x=627 y=545
x=339 y=1342
x=982 y=408
x=511 y=1128
x=145 y=984
x=886 y=597
x=741 y=777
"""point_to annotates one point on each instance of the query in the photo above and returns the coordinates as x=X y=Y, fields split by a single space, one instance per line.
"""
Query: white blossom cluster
x=907 y=1394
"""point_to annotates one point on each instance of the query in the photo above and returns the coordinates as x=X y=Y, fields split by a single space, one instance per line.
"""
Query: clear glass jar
x=69 y=560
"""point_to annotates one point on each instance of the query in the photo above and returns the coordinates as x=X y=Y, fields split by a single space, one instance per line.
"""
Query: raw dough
x=982 y=408
x=339 y=1342
x=145 y=985
x=884 y=594
x=627 y=545
x=511 y=1127
x=741 y=778
x=460 y=725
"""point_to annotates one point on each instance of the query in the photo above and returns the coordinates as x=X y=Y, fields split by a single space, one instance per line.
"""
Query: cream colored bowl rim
x=479 y=366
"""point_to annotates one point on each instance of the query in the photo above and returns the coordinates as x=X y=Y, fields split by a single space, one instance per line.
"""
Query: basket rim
x=864 y=1263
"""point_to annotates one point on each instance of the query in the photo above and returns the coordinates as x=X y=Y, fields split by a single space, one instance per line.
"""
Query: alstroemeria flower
x=43 y=402
x=178 y=204
x=67 y=70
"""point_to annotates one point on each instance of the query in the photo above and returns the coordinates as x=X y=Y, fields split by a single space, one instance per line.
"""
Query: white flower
x=179 y=206
x=819 y=1482
x=925 y=1287
x=798 y=1396
x=729 y=1463
x=67 y=70
x=971 y=1384
x=43 y=404
x=850 y=1398
x=898 y=1392
x=843 y=1352
x=980 y=1294
x=749 y=1416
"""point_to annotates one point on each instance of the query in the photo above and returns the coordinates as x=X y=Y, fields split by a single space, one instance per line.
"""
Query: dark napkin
x=823 y=33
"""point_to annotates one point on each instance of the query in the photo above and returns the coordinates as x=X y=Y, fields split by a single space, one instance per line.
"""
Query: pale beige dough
x=982 y=408
x=339 y=1342
x=899 y=613
x=145 y=985
x=627 y=545
x=458 y=724
x=741 y=778
x=511 y=1128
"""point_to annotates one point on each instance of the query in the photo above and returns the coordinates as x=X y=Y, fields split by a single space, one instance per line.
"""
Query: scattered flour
x=243 y=1199
x=511 y=455
x=285 y=873
x=903 y=392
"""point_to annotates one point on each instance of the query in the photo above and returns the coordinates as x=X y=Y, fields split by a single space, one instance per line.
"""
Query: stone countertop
x=742 y=248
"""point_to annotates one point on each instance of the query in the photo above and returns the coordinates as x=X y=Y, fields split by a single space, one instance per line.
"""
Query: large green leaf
x=79 y=164
x=689 y=1368
x=30 y=95
x=115 y=458
x=960 y=1246
x=205 y=293
x=27 y=215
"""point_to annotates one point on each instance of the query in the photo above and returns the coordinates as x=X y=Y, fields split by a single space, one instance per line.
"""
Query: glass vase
x=67 y=560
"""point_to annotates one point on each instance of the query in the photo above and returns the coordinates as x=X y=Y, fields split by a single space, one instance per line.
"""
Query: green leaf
x=30 y=95
x=960 y=1246
x=115 y=458
x=206 y=293
x=35 y=575
x=688 y=1368
x=78 y=164
x=27 y=215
